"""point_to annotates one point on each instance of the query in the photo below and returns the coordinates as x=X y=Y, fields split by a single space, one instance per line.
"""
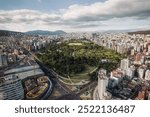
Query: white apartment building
x=147 y=75
x=141 y=73
x=124 y=64
x=102 y=84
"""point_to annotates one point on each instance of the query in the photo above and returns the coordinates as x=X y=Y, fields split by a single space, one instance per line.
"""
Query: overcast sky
x=74 y=15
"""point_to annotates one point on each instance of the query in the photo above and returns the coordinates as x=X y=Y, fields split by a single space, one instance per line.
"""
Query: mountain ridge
x=145 y=32
x=45 y=32
x=8 y=33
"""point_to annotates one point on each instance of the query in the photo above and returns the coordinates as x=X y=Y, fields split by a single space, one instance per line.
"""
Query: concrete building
x=11 y=88
x=142 y=59
x=141 y=95
x=3 y=60
x=102 y=84
x=132 y=52
x=149 y=96
x=141 y=73
x=147 y=75
x=116 y=76
x=138 y=59
x=148 y=48
x=25 y=72
x=130 y=73
x=124 y=64
x=11 y=84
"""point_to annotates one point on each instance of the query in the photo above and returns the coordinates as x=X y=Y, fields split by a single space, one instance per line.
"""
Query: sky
x=74 y=15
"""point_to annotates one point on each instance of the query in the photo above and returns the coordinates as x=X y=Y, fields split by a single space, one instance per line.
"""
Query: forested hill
x=8 y=33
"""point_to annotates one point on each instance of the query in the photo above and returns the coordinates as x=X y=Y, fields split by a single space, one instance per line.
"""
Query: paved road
x=88 y=86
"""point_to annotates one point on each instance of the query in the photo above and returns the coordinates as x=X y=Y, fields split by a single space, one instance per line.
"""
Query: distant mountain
x=119 y=31
x=36 y=32
x=41 y=32
x=140 y=32
x=8 y=33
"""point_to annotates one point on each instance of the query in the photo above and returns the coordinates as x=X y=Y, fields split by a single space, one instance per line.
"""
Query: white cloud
x=97 y=16
x=107 y=10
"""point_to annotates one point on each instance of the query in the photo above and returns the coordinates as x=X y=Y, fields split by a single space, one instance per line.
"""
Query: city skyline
x=74 y=15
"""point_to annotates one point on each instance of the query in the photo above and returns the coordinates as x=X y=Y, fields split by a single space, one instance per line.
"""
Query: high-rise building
x=16 y=52
x=124 y=64
x=130 y=73
x=138 y=49
x=121 y=48
x=147 y=75
x=132 y=52
x=102 y=84
x=116 y=76
x=141 y=73
x=142 y=59
x=11 y=88
x=149 y=96
x=3 y=60
x=138 y=58
x=141 y=95
x=148 y=48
